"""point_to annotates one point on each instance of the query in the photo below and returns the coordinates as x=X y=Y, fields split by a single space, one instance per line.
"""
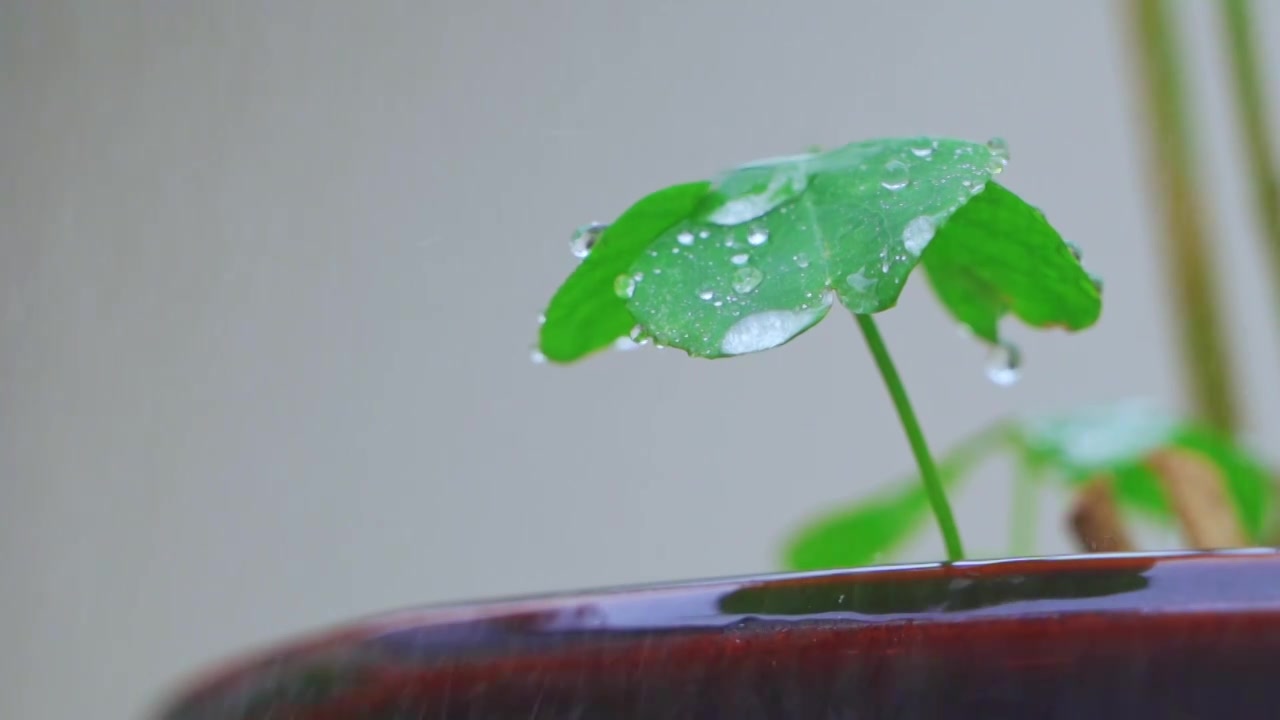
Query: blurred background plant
x=268 y=272
x=1132 y=461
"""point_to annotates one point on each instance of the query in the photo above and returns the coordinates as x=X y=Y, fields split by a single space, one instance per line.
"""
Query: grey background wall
x=269 y=273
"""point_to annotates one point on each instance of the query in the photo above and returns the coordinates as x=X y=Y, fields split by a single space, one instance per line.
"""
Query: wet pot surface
x=1134 y=636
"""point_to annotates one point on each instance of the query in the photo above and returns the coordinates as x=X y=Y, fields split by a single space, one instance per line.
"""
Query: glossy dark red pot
x=1094 y=637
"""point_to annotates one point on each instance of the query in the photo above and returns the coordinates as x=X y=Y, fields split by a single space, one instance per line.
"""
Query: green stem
x=915 y=436
x=1026 y=494
x=1191 y=277
x=1252 y=110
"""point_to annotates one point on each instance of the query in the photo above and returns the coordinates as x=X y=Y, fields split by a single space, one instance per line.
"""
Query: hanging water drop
x=922 y=150
x=624 y=286
x=585 y=238
x=625 y=344
x=999 y=155
x=685 y=238
x=1004 y=364
x=783 y=180
x=894 y=176
x=758 y=237
x=542 y=318
x=536 y=357
x=917 y=234
x=740 y=259
x=771 y=328
x=747 y=279
x=860 y=282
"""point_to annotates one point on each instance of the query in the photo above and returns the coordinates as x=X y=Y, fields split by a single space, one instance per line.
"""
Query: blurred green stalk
x=1189 y=263
x=1251 y=107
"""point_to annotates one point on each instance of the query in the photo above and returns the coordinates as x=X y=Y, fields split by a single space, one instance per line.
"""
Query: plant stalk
x=1026 y=508
x=915 y=437
x=1251 y=107
x=1190 y=266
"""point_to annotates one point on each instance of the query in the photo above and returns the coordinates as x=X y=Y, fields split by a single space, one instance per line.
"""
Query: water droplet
x=536 y=357
x=542 y=318
x=999 y=155
x=976 y=189
x=740 y=259
x=637 y=334
x=625 y=344
x=769 y=329
x=717 y=303
x=747 y=279
x=758 y=237
x=1004 y=364
x=783 y=180
x=706 y=295
x=802 y=260
x=918 y=233
x=860 y=282
x=585 y=238
x=685 y=238
x=704 y=234
x=923 y=150
x=624 y=286
x=675 y=251
x=895 y=175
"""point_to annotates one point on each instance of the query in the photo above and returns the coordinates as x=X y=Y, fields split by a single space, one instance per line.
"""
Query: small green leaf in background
x=1116 y=441
x=1112 y=441
x=863 y=533
x=873 y=528
x=760 y=253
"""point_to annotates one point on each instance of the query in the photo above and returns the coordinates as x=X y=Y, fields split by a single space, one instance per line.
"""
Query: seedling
x=747 y=261
x=1133 y=448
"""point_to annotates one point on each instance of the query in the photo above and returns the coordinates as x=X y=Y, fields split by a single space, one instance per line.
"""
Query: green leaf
x=778 y=240
x=871 y=529
x=759 y=254
x=1117 y=440
x=860 y=534
x=998 y=254
x=586 y=315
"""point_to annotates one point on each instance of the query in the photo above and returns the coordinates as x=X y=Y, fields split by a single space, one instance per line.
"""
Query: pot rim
x=225 y=673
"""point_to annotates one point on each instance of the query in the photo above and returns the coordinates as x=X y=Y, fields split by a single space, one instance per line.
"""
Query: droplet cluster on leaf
x=753 y=257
